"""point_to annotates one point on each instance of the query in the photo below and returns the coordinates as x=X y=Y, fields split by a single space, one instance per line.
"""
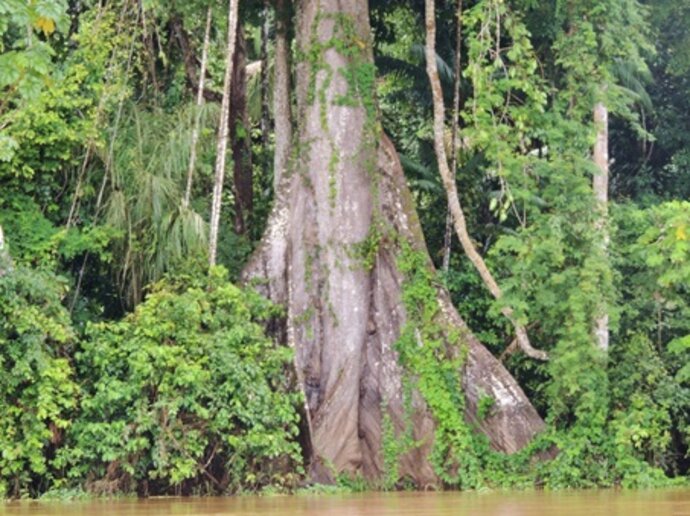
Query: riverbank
x=660 y=502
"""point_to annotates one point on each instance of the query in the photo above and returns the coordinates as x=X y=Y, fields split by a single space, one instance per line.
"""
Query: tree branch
x=451 y=188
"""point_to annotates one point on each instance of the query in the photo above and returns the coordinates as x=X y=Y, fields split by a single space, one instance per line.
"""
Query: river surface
x=536 y=503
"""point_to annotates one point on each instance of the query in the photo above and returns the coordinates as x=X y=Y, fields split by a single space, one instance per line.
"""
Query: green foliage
x=36 y=241
x=48 y=108
x=186 y=392
x=25 y=59
x=666 y=245
x=38 y=393
x=484 y=406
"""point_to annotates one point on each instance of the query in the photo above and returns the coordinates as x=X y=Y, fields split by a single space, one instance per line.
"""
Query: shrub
x=37 y=390
x=186 y=394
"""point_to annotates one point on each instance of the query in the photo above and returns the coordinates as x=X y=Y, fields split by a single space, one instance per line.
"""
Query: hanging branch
x=447 y=237
x=199 y=104
x=223 y=133
x=452 y=192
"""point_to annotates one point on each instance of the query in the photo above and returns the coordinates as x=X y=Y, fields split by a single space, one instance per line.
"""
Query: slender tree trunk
x=223 y=134
x=600 y=186
x=197 y=115
x=448 y=234
x=240 y=138
x=281 y=96
x=5 y=261
x=345 y=315
x=452 y=192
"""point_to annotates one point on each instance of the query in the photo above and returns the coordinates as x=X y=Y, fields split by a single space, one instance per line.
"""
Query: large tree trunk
x=600 y=185
x=345 y=316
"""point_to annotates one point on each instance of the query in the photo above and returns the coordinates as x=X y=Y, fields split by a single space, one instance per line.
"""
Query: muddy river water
x=495 y=503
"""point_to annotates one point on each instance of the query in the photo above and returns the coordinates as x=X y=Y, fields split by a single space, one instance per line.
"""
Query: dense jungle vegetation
x=144 y=145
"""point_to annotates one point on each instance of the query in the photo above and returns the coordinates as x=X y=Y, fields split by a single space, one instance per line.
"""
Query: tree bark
x=451 y=188
x=343 y=317
x=197 y=115
x=600 y=185
x=240 y=138
x=223 y=134
x=281 y=96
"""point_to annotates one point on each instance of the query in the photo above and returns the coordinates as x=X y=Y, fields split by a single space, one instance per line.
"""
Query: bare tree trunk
x=223 y=133
x=240 y=138
x=600 y=185
x=448 y=234
x=344 y=317
x=281 y=96
x=452 y=192
x=197 y=115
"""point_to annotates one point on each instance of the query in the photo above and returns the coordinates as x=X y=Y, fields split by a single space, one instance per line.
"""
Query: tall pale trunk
x=600 y=185
x=197 y=115
x=448 y=179
x=281 y=96
x=345 y=314
x=223 y=134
